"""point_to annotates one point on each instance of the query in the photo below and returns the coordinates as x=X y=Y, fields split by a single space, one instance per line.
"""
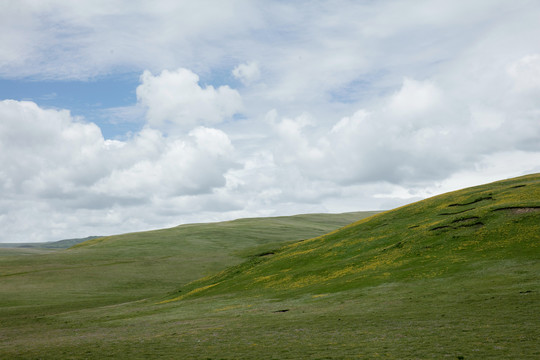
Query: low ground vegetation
x=452 y=277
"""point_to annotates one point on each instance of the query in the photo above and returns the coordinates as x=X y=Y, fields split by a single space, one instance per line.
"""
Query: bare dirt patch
x=524 y=210
x=440 y=227
x=469 y=219
x=518 y=186
x=520 y=210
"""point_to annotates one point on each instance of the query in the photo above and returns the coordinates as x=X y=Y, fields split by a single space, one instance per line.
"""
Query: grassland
x=451 y=277
x=61 y=244
x=41 y=282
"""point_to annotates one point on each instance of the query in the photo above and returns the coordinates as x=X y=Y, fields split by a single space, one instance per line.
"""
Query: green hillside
x=456 y=276
x=122 y=268
x=458 y=232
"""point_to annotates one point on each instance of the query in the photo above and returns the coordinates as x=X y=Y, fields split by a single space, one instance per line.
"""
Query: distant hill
x=120 y=268
x=61 y=244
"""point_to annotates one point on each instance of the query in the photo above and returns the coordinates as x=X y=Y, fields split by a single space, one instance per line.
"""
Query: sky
x=120 y=116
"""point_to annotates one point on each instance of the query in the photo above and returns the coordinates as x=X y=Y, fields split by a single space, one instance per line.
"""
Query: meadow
x=455 y=276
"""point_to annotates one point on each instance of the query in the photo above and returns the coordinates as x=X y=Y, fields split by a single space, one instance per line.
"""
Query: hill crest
x=436 y=237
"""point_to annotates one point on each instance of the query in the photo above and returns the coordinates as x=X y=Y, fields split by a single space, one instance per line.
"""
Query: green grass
x=123 y=268
x=435 y=238
x=452 y=277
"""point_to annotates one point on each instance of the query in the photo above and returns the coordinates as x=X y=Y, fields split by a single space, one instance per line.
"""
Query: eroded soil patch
x=440 y=227
x=461 y=223
x=469 y=219
x=268 y=253
x=472 y=202
x=520 y=210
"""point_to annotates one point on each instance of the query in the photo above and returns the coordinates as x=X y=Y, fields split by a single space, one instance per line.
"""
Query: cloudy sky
x=120 y=116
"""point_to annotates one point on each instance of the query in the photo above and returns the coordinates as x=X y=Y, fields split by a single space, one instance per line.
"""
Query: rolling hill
x=130 y=267
x=448 y=234
x=60 y=244
x=456 y=276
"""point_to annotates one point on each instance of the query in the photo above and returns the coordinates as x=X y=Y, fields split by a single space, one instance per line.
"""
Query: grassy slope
x=130 y=267
x=455 y=276
x=435 y=238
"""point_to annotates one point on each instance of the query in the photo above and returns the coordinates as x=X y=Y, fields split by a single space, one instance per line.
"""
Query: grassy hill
x=451 y=277
x=129 y=267
x=61 y=244
x=458 y=232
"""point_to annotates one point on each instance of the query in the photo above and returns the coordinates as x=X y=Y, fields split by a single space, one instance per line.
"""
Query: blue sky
x=121 y=116
x=88 y=99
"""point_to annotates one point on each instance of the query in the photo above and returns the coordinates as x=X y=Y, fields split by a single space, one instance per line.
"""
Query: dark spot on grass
x=460 y=223
x=281 y=311
x=467 y=222
x=519 y=209
x=478 y=223
x=473 y=218
x=268 y=253
x=482 y=198
x=456 y=212
x=518 y=186
x=526 y=292
x=378 y=226
x=440 y=227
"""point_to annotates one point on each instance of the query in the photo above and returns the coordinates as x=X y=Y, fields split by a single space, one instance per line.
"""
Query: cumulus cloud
x=417 y=134
x=415 y=99
x=49 y=159
x=174 y=99
x=190 y=166
x=47 y=151
x=376 y=104
x=247 y=73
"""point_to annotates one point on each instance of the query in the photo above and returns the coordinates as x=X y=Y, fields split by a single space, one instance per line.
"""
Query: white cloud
x=415 y=99
x=174 y=99
x=376 y=104
x=52 y=39
x=52 y=163
x=526 y=73
x=247 y=73
x=190 y=166
x=417 y=134
x=486 y=119
x=46 y=150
